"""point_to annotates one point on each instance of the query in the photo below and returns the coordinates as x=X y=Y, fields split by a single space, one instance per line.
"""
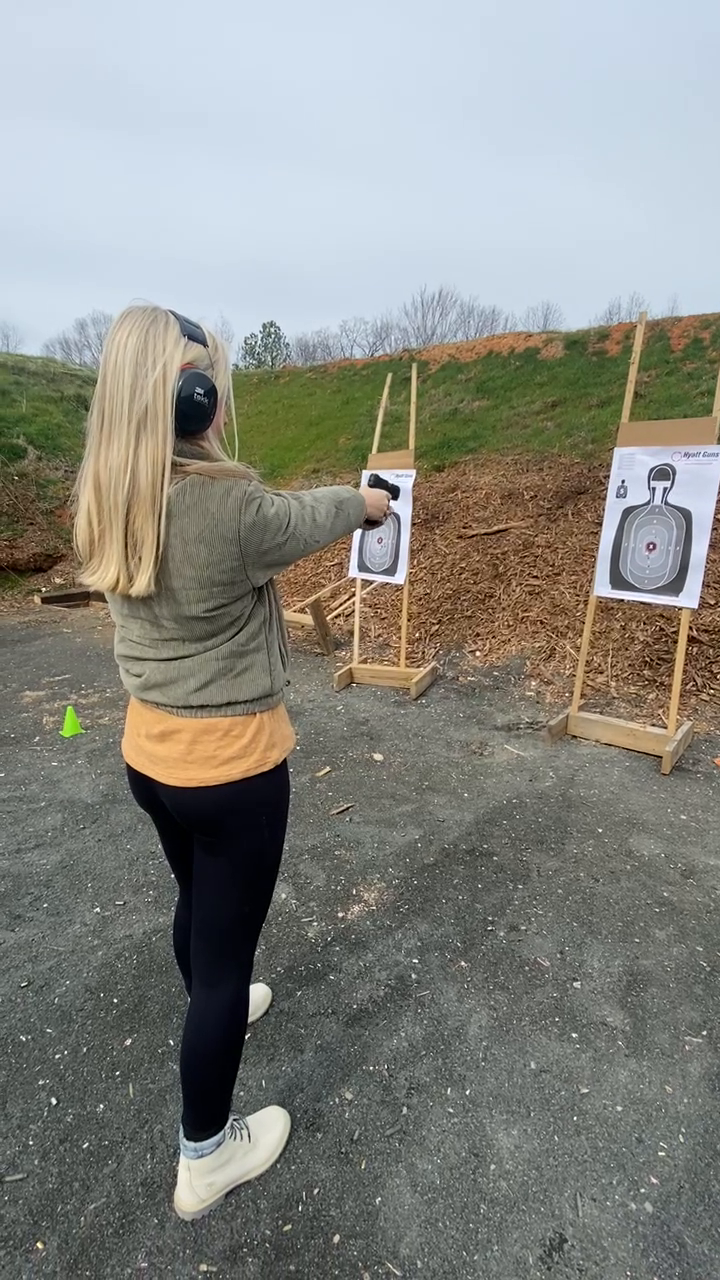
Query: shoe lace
x=238 y=1128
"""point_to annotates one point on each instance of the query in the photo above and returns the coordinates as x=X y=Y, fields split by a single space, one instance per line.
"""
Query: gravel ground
x=496 y=1015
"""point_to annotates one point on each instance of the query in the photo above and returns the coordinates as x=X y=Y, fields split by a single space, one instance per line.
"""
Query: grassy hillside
x=535 y=394
x=562 y=396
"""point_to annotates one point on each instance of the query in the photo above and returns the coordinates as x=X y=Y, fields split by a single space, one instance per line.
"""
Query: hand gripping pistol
x=378 y=482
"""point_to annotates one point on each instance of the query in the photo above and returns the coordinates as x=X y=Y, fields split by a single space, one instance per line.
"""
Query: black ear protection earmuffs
x=196 y=396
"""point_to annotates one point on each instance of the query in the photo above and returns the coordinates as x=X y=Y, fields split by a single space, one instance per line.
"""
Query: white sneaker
x=249 y=1148
x=260 y=1001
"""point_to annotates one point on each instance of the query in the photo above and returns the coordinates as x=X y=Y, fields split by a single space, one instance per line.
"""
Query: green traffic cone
x=72 y=726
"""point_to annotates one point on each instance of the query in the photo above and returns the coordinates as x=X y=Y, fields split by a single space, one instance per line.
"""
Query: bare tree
x=82 y=343
x=302 y=349
x=622 y=310
x=320 y=346
x=429 y=317
x=543 y=317
x=380 y=337
x=224 y=331
x=672 y=307
x=475 y=319
x=349 y=336
x=11 y=339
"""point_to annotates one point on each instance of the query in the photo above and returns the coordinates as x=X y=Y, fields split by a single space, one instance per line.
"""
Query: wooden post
x=404 y=619
x=633 y=370
x=381 y=414
x=634 y=367
x=680 y=652
x=584 y=648
x=356 y=622
x=412 y=431
x=358 y=584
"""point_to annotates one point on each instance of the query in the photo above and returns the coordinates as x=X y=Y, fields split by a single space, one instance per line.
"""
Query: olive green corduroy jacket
x=211 y=640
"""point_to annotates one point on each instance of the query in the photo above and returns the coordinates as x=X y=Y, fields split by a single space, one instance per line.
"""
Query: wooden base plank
x=384 y=677
x=424 y=678
x=676 y=745
x=648 y=739
x=556 y=728
x=617 y=733
x=342 y=678
x=413 y=679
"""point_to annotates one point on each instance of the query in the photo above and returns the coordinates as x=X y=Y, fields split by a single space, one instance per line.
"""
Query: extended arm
x=276 y=529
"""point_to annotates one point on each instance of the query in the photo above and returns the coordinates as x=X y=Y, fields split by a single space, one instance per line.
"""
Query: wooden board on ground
x=75 y=598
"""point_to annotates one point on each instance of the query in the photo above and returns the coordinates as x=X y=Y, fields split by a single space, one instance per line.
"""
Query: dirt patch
x=612 y=340
x=685 y=330
x=680 y=332
x=34 y=530
x=501 y=344
x=552 y=350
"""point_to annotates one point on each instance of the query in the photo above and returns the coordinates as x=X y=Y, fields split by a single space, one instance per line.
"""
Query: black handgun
x=379 y=482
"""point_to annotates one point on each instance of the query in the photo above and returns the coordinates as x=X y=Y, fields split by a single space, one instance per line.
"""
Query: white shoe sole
x=263 y=1000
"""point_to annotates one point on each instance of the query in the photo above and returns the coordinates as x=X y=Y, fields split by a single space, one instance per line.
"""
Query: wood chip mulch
x=522 y=591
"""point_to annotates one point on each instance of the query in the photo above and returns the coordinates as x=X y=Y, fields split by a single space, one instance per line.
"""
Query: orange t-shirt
x=192 y=751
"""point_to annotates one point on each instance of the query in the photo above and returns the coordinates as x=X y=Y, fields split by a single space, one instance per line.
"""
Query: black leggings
x=224 y=845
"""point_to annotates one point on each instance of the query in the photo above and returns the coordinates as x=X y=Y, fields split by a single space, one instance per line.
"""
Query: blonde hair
x=131 y=459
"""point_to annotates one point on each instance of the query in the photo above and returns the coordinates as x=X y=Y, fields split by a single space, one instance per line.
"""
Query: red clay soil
x=680 y=331
x=684 y=330
x=501 y=344
x=613 y=342
x=610 y=340
x=523 y=592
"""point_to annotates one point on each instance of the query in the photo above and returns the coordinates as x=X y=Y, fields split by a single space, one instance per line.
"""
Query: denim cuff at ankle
x=196 y=1150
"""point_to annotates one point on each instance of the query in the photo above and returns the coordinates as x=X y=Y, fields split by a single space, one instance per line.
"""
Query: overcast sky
x=306 y=161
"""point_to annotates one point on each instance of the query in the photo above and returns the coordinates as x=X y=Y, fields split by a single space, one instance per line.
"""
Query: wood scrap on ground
x=496 y=528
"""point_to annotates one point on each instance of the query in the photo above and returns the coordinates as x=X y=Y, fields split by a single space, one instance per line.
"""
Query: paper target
x=382 y=554
x=658 y=519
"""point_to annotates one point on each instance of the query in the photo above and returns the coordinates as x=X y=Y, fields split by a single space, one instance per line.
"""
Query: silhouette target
x=379 y=549
x=653 y=543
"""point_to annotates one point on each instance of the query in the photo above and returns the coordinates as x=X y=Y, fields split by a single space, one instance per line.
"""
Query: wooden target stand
x=319 y=611
x=667 y=743
x=414 y=679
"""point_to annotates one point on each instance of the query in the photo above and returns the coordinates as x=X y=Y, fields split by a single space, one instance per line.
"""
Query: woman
x=185 y=542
